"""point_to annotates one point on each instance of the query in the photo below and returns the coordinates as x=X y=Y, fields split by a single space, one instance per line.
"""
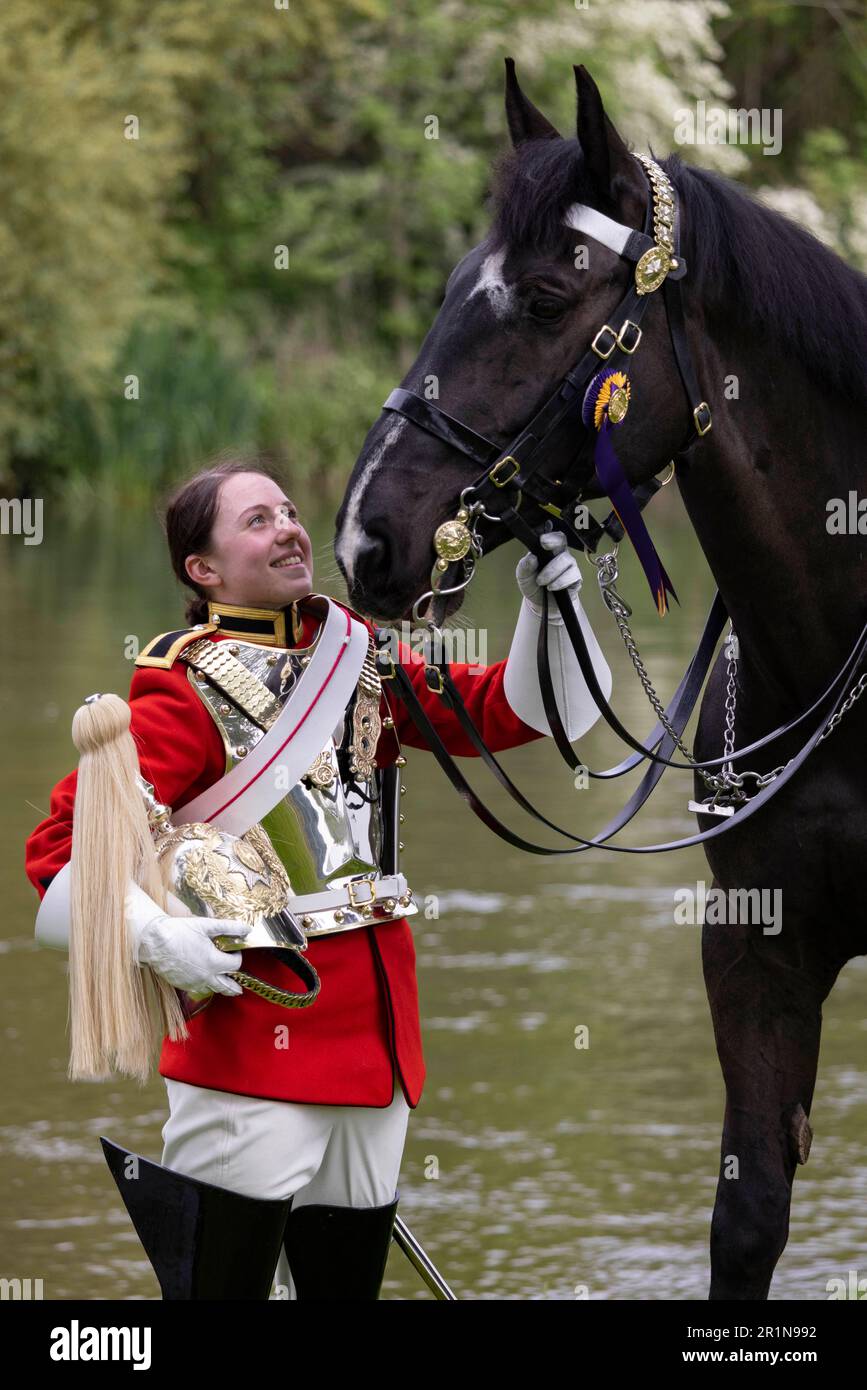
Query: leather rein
x=520 y=476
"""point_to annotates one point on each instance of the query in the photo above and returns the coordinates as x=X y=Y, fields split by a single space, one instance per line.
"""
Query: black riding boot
x=204 y=1242
x=338 y=1254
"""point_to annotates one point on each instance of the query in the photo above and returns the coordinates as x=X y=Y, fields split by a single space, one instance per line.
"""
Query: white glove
x=576 y=706
x=181 y=949
x=561 y=572
x=175 y=944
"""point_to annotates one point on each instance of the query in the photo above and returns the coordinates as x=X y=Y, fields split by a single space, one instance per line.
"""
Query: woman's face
x=260 y=555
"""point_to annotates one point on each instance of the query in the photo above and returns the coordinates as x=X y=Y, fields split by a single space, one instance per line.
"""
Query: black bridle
x=523 y=472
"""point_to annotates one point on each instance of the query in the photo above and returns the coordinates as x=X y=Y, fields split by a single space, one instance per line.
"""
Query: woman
x=304 y=1113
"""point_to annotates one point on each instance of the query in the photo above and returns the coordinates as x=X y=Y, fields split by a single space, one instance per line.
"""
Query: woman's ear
x=200 y=572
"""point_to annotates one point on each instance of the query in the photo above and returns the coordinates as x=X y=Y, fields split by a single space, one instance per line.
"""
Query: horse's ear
x=611 y=167
x=526 y=122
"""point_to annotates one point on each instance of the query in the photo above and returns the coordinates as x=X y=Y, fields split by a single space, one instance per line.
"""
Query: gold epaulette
x=164 y=650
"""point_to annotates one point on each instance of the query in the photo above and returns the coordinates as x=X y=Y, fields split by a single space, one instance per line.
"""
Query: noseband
x=524 y=470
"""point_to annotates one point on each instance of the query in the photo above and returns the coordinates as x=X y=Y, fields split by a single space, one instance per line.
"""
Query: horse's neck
x=756 y=490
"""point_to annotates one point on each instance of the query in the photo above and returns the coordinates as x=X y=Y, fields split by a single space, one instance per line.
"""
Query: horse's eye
x=547 y=307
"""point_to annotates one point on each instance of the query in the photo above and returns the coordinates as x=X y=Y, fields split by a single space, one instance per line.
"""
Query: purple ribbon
x=613 y=482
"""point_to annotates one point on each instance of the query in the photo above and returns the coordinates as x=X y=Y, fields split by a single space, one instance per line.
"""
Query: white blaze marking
x=353 y=533
x=491 y=283
x=501 y=299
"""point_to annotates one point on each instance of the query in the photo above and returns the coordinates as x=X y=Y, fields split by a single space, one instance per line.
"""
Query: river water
x=534 y=1167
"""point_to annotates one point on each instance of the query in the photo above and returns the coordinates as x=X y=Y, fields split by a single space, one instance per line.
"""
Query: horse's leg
x=767 y=1011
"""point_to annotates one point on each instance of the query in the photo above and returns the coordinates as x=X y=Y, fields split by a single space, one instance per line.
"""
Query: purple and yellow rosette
x=606 y=402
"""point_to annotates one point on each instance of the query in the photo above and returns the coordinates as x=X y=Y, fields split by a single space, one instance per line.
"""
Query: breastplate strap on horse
x=517 y=474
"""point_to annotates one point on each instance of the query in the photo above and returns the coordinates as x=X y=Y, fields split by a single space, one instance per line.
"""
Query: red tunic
x=344 y=1049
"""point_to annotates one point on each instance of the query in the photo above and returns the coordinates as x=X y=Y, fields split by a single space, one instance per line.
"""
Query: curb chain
x=727 y=785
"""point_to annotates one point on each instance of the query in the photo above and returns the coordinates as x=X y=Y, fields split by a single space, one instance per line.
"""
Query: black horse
x=777 y=328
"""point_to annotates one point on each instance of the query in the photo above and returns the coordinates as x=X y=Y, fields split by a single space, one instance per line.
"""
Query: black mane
x=744 y=258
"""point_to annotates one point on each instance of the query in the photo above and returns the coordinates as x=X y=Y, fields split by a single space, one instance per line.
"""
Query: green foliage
x=194 y=392
x=99 y=231
x=834 y=174
x=808 y=62
x=81 y=249
x=268 y=252
x=320 y=408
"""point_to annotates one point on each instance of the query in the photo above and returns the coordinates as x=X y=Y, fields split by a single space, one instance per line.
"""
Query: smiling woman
x=270 y=722
x=235 y=537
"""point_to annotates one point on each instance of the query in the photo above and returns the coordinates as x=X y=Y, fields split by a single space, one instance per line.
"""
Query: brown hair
x=191 y=510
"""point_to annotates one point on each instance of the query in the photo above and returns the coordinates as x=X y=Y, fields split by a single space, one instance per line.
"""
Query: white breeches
x=336 y=1155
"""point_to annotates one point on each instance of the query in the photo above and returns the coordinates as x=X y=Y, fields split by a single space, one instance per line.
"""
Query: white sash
x=295 y=739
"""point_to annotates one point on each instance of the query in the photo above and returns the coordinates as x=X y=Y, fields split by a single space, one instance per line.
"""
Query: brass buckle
x=606 y=328
x=627 y=323
x=501 y=482
x=439 y=687
x=669 y=468
x=355 y=883
x=383 y=655
x=704 y=406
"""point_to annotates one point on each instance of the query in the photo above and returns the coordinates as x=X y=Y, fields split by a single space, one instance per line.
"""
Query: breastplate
x=338 y=826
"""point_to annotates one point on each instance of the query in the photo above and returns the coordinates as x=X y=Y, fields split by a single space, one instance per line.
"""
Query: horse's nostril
x=372 y=559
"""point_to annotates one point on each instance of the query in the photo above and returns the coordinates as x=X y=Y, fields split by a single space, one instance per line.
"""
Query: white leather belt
x=360 y=903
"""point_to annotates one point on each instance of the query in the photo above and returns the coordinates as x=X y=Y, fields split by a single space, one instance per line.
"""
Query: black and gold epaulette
x=164 y=650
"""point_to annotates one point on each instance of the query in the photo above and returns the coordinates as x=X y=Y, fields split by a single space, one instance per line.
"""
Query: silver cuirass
x=336 y=831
